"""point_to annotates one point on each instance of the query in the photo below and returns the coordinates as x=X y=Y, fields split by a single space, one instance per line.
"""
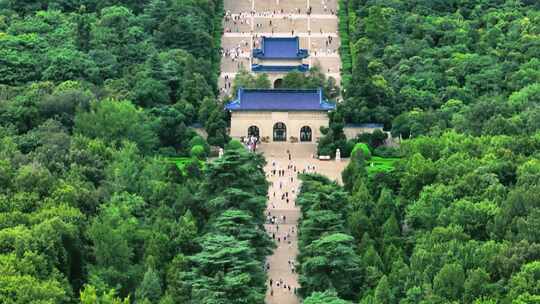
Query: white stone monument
x=338 y=155
x=220 y=152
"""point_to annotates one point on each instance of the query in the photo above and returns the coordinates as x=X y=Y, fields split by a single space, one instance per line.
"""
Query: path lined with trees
x=284 y=257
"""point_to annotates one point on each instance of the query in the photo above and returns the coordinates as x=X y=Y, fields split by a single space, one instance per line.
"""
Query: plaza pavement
x=313 y=30
x=301 y=157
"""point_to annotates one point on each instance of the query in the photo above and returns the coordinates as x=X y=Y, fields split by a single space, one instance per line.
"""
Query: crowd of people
x=253 y=23
x=227 y=85
x=235 y=54
x=325 y=4
x=241 y=50
x=251 y=142
x=234 y=22
x=284 y=186
x=328 y=49
x=281 y=12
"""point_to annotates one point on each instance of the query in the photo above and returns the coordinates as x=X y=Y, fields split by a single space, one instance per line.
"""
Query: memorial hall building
x=277 y=56
x=279 y=115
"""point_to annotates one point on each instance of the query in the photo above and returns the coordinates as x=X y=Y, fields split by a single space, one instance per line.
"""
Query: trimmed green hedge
x=345 y=48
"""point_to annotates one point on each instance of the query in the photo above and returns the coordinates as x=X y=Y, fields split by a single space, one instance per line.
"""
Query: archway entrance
x=305 y=133
x=253 y=131
x=278 y=83
x=280 y=132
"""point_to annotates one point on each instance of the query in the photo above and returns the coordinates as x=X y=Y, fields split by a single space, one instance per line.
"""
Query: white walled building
x=278 y=56
x=279 y=115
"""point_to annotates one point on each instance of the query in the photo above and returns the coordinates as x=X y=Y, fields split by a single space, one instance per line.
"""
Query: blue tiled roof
x=279 y=100
x=280 y=48
x=280 y=68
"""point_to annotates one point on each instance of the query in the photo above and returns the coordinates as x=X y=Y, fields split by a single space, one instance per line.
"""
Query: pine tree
x=150 y=288
x=384 y=208
x=383 y=294
x=448 y=283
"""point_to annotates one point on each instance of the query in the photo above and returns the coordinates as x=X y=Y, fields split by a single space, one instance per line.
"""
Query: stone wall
x=265 y=120
x=352 y=132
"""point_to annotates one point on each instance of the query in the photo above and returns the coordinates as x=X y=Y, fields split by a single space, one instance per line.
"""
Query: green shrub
x=198 y=152
x=364 y=148
x=234 y=145
x=375 y=139
x=383 y=151
x=199 y=141
x=325 y=150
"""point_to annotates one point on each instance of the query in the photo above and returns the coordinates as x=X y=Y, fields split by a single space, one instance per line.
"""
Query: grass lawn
x=380 y=164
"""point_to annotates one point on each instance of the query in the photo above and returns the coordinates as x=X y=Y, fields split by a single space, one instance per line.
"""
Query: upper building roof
x=280 y=48
x=279 y=100
x=258 y=68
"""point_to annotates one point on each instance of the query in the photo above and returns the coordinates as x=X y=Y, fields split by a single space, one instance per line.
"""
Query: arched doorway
x=280 y=132
x=253 y=131
x=305 y=133
x=278 y=83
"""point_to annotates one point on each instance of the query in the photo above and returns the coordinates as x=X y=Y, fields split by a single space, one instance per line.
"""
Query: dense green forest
x=78 y=214
x=94 y=98
x=96 y=103
x=162 y=56
x=456 y=222
x=457 y=219
x=430 y=65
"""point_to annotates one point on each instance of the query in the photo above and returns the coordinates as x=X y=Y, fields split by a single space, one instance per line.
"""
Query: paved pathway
x=283 y=259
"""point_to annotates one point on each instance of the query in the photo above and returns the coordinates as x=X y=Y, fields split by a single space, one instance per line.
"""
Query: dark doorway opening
x=253 y=131
x=305 y=133
x=278 y=83
x=280 y=132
